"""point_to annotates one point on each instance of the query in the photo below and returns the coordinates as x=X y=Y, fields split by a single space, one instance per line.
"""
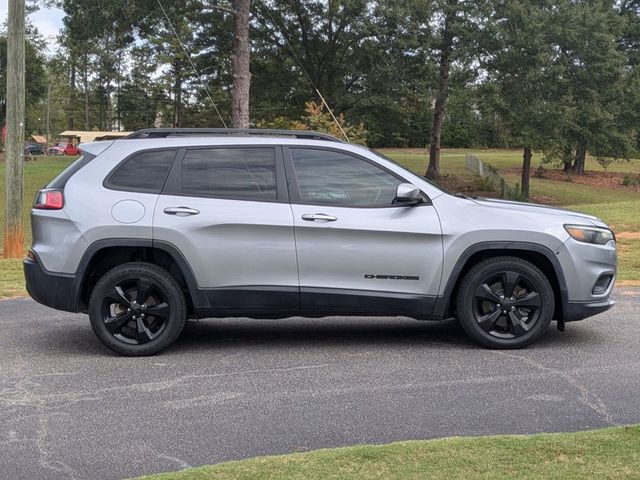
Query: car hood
x=537 y=208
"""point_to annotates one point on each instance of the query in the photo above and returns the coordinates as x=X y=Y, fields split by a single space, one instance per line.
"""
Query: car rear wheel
x=505 y=302
x=137 y=309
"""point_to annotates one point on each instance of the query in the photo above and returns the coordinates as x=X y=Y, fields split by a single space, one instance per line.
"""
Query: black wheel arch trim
x=442 y=306
x=198 y=296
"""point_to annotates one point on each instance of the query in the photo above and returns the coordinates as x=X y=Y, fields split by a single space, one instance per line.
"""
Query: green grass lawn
x=11 y=278
x=617 y=207
x=452 y=160
x=604 y=454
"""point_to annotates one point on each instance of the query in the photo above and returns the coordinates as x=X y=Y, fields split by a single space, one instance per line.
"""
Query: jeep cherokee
x=169 y=224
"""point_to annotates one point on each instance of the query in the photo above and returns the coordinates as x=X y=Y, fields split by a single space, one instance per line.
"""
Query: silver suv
x=145 y=232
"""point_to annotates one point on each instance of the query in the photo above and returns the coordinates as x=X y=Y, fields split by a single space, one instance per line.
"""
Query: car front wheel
x=137 y=309
x=505 y=302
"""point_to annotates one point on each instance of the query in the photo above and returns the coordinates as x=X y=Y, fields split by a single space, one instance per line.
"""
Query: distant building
x=39 y=139
x=77 y=136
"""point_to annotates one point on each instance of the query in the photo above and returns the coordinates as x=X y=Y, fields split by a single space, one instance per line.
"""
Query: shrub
x=605 y=162
x=631 y=180
x=319 y=120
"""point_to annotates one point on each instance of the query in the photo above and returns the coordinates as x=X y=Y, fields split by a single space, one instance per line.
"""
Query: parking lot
x=232 y=389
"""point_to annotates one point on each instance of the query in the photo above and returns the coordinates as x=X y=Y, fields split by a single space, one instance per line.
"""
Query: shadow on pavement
x=221 y=334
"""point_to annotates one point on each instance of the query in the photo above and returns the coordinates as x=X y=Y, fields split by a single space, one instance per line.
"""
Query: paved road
x=234 y=389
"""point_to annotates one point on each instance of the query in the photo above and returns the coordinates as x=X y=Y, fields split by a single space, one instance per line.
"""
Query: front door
x=356 y=249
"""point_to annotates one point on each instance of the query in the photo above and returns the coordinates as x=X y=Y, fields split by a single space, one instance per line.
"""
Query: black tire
x=505 y=303
x=129 y=327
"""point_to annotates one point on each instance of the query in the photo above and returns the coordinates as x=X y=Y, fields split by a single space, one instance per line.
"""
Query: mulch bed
x=612 y=180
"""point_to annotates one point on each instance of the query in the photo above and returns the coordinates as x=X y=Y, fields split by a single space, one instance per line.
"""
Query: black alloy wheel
x=137 y=309
x=505 y=302
x=507 y=305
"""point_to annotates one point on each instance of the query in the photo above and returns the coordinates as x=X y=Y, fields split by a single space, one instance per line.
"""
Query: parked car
x=33 y=149
x=55 y=150
x=166 y=225
x=70 y=149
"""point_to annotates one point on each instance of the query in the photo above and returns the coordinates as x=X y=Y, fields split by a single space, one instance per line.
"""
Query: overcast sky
x=48 y=21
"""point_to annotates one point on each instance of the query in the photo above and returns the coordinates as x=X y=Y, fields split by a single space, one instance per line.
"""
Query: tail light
x=49 y=200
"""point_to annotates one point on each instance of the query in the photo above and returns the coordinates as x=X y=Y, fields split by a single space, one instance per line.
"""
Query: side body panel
x=382 y=250
x=91 y=213
x=230 y=243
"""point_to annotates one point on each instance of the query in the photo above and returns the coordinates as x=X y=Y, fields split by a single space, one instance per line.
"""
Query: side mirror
x=408 y=194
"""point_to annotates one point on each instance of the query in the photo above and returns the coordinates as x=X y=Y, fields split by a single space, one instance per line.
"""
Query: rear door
x=356 y=249
x=226 y=210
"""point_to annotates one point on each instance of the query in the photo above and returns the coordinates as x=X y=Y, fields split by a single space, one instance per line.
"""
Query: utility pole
x=14 y=181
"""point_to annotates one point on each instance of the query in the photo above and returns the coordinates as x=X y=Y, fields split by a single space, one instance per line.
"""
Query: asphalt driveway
x=238 y=388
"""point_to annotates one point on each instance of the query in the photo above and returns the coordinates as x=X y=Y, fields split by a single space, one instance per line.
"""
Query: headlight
x=596 y=235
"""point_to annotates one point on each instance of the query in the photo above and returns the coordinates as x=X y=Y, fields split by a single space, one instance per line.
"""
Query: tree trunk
x=177 y=96
x=240 y=65
x=526 y=171
x=581 y=153
x=48 y=129
x=433 y=169
x=85 y=82
x=72 y=95
x=109 y=105
x=566 y=159
x=14 y=180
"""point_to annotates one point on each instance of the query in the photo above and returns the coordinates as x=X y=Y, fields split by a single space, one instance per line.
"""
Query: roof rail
x=208 y=132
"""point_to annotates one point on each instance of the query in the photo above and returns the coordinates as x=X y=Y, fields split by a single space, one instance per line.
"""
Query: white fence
x=475 y=165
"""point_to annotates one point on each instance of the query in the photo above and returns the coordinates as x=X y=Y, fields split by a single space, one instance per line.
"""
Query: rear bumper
x=52 y=290
x=578 y=311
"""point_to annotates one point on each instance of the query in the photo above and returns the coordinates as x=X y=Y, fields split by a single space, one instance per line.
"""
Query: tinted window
x=144 y=172
x=333 y=178
x=246 y=173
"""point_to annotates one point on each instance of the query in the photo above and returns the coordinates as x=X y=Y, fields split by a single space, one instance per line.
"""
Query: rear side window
x=242 y=173
x=143 y=172
x=61 y=180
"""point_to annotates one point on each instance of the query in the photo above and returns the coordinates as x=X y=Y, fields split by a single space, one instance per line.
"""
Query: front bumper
x=584 y=266
x=57 y=291
x=578 y=311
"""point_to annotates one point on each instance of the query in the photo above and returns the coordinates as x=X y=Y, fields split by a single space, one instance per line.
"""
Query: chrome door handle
x=181 y=211
x=311 y=217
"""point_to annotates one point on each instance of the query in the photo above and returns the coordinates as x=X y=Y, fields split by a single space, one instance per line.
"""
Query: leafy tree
x=35 y=78
x=320 y=38
x=591 y=88
x=520 y=67
x=461 y=125
x=459 y=25
x=392 y=90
